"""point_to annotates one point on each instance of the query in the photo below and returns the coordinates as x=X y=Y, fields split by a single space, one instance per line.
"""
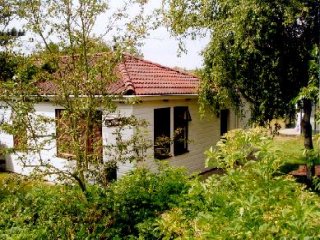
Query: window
x=162 y=133
x=20 y=138
x=163 y=127
x=181 y=122
x=224 y=121
x=69 y=137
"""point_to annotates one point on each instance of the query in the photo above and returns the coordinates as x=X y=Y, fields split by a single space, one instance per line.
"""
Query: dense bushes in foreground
x=37 y=211
x=247 y=203
x=252 y=200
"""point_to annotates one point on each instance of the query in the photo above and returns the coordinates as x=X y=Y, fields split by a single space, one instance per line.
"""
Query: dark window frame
x=181 y=121
x=20 y=135
x=162 y=130
x=224 y=121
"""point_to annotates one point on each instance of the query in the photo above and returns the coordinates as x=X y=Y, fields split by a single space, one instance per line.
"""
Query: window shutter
x=181 y=123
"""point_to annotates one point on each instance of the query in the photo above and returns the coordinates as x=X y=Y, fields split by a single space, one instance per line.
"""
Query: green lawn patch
x=291 y=149
x=292 y=152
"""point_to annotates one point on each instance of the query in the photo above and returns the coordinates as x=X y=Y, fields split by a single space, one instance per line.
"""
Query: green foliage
x=244 y=205
x=253 y=201
x=259 y=51
x=237 y=147
x=250 y=201
x=30 y=210
x=141 y=196
x=8 y=66
x=311 y=91
x=9 y=10
x=75 y=70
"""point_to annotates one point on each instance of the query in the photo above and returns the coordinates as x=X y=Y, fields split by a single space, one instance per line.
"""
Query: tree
x=8 y=12
x=8 y=34
x=259 y=52
x=79 y=75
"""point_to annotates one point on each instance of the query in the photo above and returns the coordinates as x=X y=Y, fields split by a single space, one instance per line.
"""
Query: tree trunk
x=306 y=125
x=307 y=134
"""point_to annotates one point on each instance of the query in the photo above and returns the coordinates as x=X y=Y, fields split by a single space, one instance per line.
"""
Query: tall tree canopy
x=72 y=67
x=259 y=51
x=9 y=10
x=8 y=34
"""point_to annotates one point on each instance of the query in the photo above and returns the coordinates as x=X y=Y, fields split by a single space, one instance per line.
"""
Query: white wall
x=203 y=133
x=45 y=131
x=17 y=162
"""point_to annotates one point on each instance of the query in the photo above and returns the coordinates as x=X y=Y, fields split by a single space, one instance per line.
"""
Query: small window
x=20 y=138
x=224 y=121
x=20 y=135
x=162 y=133
x=72 y=134
x=181 y=122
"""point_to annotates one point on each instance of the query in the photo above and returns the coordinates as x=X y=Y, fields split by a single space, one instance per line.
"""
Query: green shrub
x=252 y=200
x=248 y=202
x=30 y=210
x=237 y=147
x=143 y=195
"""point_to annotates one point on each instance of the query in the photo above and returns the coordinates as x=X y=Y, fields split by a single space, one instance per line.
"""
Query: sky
x=161 y=48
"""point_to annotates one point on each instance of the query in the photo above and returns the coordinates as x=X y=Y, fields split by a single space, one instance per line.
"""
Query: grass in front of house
x=291 y=149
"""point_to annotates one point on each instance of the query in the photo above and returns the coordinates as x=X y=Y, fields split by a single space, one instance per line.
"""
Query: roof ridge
x=126 y=79
x=159 y=65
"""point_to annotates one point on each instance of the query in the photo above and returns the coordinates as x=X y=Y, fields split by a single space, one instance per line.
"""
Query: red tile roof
x=141 y=77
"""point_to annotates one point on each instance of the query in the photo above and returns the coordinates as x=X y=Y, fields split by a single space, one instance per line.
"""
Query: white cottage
x=168 y=100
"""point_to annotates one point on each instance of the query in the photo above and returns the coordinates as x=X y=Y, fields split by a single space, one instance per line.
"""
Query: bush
x=237 y=147
x=137 y=199
x=249 y=202
x=252 y=200
x=31 y=210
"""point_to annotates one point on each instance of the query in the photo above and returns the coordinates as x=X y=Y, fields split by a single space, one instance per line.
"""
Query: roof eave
x=163 y=97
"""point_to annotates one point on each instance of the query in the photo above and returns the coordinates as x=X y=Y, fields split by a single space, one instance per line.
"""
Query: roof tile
x=148 y=78
x=141 y=77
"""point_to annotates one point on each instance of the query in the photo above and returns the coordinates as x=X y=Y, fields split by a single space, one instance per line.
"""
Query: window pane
x=94 y=145
x=162 y=133
x=20 y=138
x=63 y=134
x=20 y=133
x=181 y=121
x=224 y=119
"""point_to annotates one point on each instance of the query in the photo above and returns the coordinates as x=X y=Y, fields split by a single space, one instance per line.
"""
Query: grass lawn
x=291 y=148
x=292 y=151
